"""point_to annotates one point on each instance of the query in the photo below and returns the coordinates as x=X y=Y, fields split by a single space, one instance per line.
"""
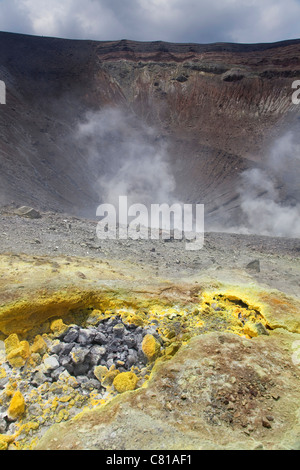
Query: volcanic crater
x=142 y=344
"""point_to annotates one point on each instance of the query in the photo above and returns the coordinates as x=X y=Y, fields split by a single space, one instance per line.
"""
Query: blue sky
x=200 y=21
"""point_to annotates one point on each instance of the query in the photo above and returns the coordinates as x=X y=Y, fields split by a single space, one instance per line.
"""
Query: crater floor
x=143 y=344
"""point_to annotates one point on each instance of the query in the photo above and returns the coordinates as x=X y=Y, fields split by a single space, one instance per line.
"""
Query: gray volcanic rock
x=29 y=212
x=254 y=265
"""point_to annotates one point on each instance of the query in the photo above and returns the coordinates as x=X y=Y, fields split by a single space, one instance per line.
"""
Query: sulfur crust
x=125 y=381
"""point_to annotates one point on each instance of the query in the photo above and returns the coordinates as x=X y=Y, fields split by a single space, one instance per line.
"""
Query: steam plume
x=270 y=197
x=127 y=157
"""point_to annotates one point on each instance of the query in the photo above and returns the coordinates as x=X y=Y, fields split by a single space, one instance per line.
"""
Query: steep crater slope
x=216 y=107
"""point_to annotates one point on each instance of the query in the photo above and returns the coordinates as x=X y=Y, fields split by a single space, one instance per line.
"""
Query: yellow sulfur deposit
x=17 y=406
x=133 y=318
x=12 y=342
x=105 y=376
x=17 y=352
x=95 y=316
x=125 y=381
x=58 y=327
x=150 y=347
x=100 y=372
x=39 y=346
x=172 y=348
x=108 y=379
x=5 y=441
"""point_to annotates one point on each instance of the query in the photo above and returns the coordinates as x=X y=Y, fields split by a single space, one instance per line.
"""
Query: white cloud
x=168 y=20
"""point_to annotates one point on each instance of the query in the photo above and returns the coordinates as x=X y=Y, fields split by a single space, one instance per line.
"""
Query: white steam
x=127 y=158
x=270 y=197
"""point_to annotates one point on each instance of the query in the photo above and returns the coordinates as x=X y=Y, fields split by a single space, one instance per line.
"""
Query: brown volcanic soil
x=216 y=123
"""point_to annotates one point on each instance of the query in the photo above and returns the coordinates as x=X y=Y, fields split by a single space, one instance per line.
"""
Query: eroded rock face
x=220 y=391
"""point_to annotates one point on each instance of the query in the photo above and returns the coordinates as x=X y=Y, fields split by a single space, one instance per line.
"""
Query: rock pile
x=79 y=350
x=75 y=367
